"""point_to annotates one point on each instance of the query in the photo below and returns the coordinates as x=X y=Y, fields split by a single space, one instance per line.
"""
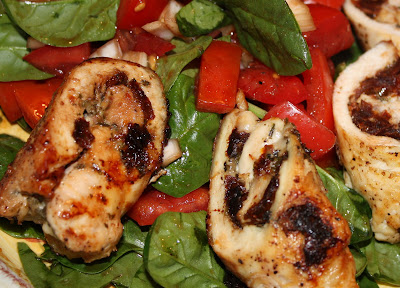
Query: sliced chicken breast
x=269 y=219
x=366 y=104
x=374 y=21
x=90 y=157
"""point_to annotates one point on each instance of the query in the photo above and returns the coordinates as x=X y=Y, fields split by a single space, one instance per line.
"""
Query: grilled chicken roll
x=90 y=157
x=374 y=21
x=269 y=219
x=366 y=110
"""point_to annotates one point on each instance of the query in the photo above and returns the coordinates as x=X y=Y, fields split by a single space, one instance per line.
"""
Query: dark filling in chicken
x=236 y=142
x=318 y=235
x=235 y=195
x=370 y=8
x=82 y=134
x=134 y=154
x=382 y=86
x=269 y=163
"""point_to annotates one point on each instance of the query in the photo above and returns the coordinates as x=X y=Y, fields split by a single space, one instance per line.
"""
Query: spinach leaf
x=169 y=67
x=195 y=132
x=65 y=22
x=351 y=205
x=24 y=230
x=200 y=17
x=177 y=253
x=344 y=58
x=383 y=261
x=360 y=260
x=269 y=30
x=12 y=49
x=59 y=276
x=365 y=282
x=9 y=146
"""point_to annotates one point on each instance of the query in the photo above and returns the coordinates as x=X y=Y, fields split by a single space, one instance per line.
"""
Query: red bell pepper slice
x=58 y=60
x=263 y=84
x=319 y=83
x=314 y=135
x=333 y=33
x=218 y=77
x=34 y=96
x=8 y=103
x=153 y=203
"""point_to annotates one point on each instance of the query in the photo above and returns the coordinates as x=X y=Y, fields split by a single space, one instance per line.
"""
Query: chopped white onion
x=111 y=50
x=302 y=15
x=168 y=16
x=241 y=102
x=33 y=44
x=137 y=57
x=159 y=29
x=172 y=152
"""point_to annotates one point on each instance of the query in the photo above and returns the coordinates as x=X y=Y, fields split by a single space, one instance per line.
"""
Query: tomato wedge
x=58 y=60
x=153 y=203
x=333 y=33
x=8 y=103
x=136 y=13
x=319 y=139
x=34 y=96
x=264 y=85
x=319 y=83
x=218 y=77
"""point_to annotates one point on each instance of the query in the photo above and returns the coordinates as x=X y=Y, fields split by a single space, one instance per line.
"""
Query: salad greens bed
x=174 y=251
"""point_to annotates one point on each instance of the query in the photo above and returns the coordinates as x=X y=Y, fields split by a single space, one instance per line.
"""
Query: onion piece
x=137 y=57
x=110 y=50
x=159 y=29
x=302 y=15
x=33 y=44
x=172 y=152
x=168 y=16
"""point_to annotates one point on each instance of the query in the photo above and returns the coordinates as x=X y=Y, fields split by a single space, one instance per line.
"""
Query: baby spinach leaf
x=59 y=276
x=177 y=253
x=21 y=231
x=360 y=260
x=65 y=22
x=9 y=146
x=195 y=132
x=200 y=17
x=351 y=205
x=365 y=282
x=12 y=50
x=169 y=67
x=383 y=260
x=269 y=30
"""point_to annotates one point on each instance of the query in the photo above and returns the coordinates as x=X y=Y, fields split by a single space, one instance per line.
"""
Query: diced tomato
x=314 y=135
x=331 y=3
x=33 y=97
x=136 y=13
x=333 y=33
x=319 y=83
x=264 y=85
x=8 y=103
x=58 y=60
x=153 y=203
x=140 y=40
x=218 y=77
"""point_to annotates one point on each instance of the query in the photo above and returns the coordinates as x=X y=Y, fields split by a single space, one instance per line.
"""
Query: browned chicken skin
x=269 y=219
x=90 y=157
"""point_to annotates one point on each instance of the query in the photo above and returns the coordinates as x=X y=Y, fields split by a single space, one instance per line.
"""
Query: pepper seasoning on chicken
x=269 y=219
x=90 y=157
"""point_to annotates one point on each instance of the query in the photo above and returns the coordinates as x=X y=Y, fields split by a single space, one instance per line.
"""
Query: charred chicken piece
x=366 y=105
x=269 y=219
x=90 y=157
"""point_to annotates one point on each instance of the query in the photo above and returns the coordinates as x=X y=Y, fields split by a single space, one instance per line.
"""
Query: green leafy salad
x=174 y=251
